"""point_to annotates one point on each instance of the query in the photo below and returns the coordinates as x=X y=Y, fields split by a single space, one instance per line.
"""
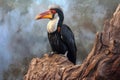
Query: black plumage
x=63 y=40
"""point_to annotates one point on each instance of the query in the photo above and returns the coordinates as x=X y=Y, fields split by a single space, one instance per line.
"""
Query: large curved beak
x=44 y=15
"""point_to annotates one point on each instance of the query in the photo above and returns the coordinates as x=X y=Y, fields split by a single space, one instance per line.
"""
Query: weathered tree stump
x=102 y=63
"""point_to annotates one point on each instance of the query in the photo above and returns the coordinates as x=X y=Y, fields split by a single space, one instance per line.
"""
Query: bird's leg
x=52 y=52
x=66 y=53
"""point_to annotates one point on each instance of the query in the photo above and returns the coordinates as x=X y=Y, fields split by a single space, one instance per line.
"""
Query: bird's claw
x=51 y=53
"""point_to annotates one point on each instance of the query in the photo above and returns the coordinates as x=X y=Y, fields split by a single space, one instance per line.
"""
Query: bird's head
x=50 y=13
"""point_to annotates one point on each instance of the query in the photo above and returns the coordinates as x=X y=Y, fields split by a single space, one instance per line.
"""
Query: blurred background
x=23 y=38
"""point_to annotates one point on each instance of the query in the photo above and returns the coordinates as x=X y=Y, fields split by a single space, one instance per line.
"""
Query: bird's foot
x=51 y=53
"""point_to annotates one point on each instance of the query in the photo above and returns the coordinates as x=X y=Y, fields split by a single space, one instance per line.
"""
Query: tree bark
x=102 y=63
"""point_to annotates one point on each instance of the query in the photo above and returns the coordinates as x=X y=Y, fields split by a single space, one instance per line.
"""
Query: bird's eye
x=53 y=11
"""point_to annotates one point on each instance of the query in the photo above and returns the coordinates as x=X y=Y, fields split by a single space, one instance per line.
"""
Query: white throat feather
x=52 y=24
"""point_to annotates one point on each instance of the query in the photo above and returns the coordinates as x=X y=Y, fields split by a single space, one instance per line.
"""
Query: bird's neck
x=56 y=22
x=52 y=25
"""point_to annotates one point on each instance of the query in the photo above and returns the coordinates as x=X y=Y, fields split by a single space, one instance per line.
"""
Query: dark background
x=22 y=37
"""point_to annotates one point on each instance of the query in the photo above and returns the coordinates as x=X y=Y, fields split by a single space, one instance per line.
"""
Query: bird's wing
x=68 y=38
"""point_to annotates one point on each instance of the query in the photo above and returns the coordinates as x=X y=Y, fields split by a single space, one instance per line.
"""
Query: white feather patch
x=52 y=24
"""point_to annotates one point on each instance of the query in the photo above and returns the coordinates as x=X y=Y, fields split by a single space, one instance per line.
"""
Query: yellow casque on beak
x=44 y=15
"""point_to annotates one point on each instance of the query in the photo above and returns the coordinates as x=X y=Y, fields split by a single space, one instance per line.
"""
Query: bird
x=61 y=37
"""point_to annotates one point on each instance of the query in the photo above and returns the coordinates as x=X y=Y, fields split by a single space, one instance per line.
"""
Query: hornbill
x=60 y=36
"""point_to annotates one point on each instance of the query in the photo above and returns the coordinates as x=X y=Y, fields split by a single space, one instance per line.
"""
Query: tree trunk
x=102 y=63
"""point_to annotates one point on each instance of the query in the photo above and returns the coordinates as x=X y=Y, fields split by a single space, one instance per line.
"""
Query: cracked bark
x=102 y=63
